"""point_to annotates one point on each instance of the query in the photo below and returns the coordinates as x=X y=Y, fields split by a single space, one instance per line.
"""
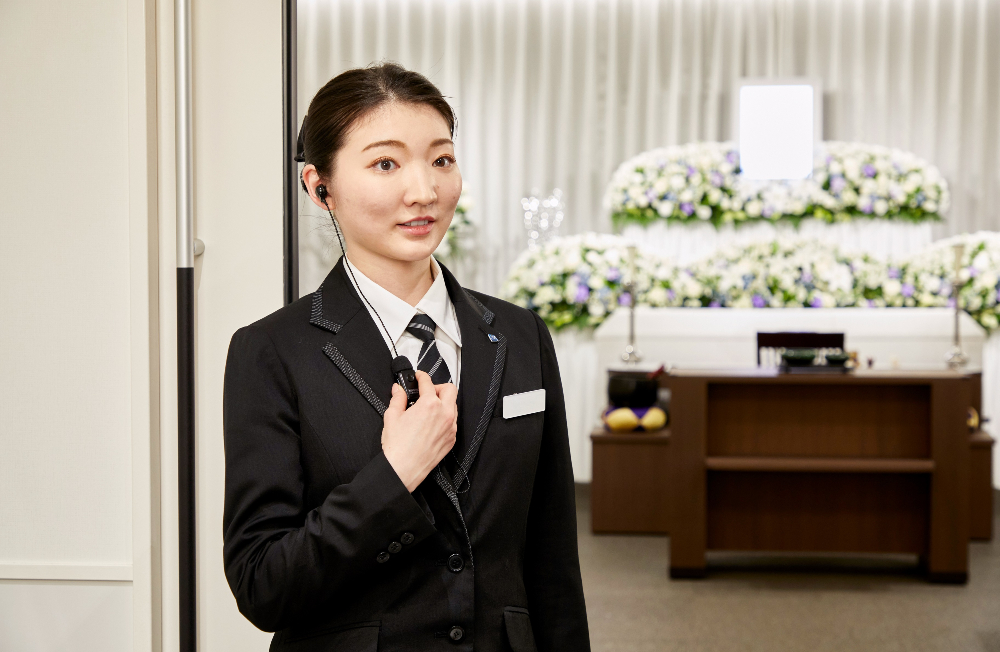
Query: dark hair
x=354 y=94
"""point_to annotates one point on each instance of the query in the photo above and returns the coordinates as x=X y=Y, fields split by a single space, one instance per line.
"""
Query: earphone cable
x=347 y=264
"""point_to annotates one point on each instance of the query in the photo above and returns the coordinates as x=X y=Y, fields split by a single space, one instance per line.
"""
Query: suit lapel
x=484 y=353
x=356 y=346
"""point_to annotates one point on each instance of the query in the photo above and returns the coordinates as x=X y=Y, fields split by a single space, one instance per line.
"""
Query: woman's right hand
x=415 y=440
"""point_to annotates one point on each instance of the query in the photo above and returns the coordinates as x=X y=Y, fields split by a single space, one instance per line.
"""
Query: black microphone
x=406 y=378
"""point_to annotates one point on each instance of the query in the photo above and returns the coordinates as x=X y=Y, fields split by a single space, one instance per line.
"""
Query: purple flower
x=673 y=295
x=687 y=208
x=816 y=302
x=582 y=293
x=714 y=304
x=650 y=194
x=758 y=301
x=871 y=303
x=807 y=277
x=691 y=170
x=951 y=303
x=624 y=299
x=767 y=211
x=907 y=290
x=732 y=157
x=716 y=179
x=837 y=183
x=613 y=274
x=893 y=272
x=868 y=170
x=973 y=272
x=866 y=207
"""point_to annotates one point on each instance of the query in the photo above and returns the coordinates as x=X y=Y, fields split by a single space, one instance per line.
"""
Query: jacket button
x=456 y=563
x=407 y=538
x=394 y=547
x=456 y=633
x=382 y=557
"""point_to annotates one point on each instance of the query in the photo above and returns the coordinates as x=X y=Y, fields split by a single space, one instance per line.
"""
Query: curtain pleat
x=557 y=93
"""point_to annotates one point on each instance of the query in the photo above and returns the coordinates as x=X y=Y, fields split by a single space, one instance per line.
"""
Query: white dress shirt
x=396 y=315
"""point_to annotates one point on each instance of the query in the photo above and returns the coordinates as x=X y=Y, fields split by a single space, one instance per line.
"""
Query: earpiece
x=321 y=192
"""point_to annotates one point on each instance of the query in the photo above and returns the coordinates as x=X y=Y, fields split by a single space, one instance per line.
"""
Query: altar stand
x=864 y=462
x=897 y=339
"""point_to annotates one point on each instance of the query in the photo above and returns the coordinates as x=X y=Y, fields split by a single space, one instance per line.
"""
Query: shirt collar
x=396 y=313
x=438 y=306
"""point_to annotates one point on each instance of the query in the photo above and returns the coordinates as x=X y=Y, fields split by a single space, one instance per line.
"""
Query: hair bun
x=300 y=147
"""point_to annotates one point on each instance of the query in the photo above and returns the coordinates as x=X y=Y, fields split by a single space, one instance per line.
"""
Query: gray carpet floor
x=775 y=604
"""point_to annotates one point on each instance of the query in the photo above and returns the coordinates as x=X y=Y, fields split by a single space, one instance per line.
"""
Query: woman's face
x=395 y=184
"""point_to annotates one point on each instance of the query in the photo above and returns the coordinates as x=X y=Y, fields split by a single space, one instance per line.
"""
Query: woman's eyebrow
x=400 y=144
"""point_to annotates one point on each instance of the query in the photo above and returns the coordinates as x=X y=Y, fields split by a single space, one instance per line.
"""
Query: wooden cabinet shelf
x=852 y=463
x=820 y=464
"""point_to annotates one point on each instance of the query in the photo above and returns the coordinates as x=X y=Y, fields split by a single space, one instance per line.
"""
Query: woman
x=354 y=523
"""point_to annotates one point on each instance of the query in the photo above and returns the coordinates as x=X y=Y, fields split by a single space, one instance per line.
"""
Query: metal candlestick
x=956 y=358
x=631 y=355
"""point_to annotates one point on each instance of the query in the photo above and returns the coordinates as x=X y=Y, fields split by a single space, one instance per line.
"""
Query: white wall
x=74 y=325
x=238 y=214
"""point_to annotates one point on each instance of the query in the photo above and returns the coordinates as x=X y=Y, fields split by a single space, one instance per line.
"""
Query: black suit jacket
x=323 y=543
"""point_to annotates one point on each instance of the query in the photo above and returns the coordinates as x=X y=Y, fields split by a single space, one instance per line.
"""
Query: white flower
x=985 y=281
x=657 y=296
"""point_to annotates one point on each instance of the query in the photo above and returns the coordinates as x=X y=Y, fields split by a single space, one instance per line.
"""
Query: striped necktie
x=430 y=360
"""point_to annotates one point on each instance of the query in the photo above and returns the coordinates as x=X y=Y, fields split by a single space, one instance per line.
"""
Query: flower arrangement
x=779 y=274
x=701 y=182
x=926 y=278
x=685 y=183
x=459 y=240
x=578 y=280
x=875 y=181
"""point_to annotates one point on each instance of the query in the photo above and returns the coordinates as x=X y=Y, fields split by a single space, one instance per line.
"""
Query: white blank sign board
x=777 y=130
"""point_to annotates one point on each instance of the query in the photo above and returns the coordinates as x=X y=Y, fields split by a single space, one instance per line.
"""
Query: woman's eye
x=385 y=165
x=447 y=159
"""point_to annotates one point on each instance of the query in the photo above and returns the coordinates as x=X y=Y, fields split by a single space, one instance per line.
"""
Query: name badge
x=517 y=405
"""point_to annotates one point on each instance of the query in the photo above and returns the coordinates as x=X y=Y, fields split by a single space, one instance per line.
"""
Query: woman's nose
x=421 y=188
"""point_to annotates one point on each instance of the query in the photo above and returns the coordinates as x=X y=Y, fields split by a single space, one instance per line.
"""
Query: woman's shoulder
x=507 y=314
x=279 y=324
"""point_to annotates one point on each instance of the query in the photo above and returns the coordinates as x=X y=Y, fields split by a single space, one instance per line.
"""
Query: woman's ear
x=311 y=179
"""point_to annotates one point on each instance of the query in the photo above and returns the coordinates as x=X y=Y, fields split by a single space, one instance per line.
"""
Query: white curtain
x=556 y=93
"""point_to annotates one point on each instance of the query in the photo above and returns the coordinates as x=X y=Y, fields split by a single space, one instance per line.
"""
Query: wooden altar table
x=873 y=462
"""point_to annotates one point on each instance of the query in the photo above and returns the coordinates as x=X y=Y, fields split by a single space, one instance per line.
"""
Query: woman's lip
x=424 y=218
x=418 y=226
